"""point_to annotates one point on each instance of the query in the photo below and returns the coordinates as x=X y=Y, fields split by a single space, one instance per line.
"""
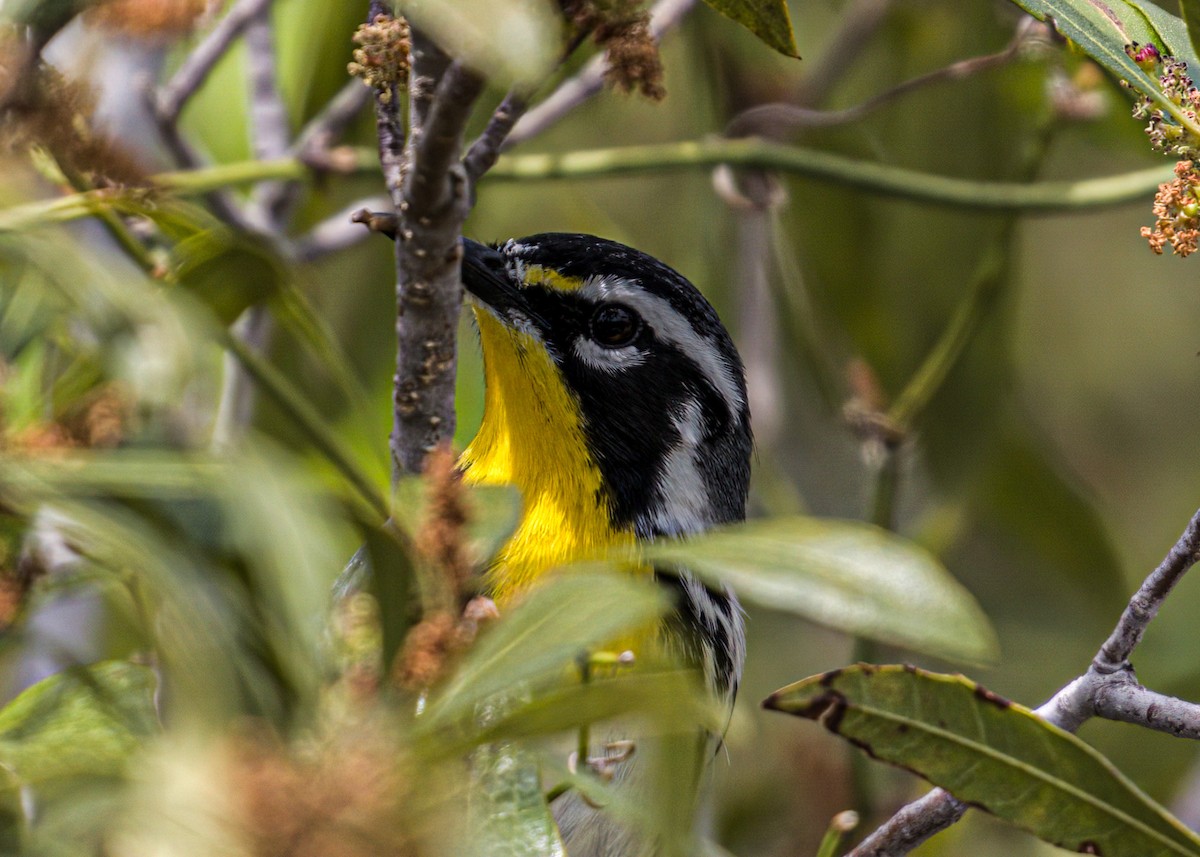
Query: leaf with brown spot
x=991 y=753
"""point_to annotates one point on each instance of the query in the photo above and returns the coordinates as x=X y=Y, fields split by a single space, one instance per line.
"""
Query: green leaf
x=508 y=40
x=1172 y=33
x=86 y=721
x=767 y=19
x=508 y=805
x=991 y=753
x=545 y=634
x=228 y=272
x=1191 y=22
x=846 y=575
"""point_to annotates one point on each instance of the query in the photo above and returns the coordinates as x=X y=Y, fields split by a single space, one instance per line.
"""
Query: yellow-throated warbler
x=615 y=402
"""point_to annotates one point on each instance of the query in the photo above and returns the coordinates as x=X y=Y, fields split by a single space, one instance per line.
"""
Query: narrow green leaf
x=393 y=582
x=991 y=753
x=767 y=19
x=545 y=634
x=85 y=721
x=846 y=575
x=508 y=805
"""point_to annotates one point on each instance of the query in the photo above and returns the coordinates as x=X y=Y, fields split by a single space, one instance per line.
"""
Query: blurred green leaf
x=767 y=19
x=495 y=513
x=991 y=753
x=673 y=700
x=509 y=806
x=507 y=40
x=228 y=271
x=545 y=634
x=1026 y=489
x=844 y=574
x=86 y=721
x=393 y=581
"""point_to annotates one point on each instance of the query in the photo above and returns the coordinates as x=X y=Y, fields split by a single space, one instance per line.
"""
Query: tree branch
x=194 y=71
x=429 y=190
x=777 y=118
x=1108 y=689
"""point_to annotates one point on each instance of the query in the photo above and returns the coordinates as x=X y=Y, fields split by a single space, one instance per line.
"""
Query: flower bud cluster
x=383 y=56
x=1166 y=134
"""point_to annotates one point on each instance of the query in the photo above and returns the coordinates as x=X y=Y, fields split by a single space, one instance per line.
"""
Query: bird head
x=615 y=399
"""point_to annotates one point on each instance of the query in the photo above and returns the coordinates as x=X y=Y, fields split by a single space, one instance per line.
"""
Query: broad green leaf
x=85 y=721
x=767 y=19
x=508 y=805
x=1102 y=28
x=991 y=753
x=846 y=575
x=546 y=633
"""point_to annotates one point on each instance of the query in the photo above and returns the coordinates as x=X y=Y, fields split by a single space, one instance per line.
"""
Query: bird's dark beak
x=485 y=275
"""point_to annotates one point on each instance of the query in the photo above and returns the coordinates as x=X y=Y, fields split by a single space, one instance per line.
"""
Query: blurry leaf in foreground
x=545 y=633
x=507 y=40
x=844 y=574
x=228 y=272
x=83 y=722
x=767 y=19
x=991 y=753
x=512 y=818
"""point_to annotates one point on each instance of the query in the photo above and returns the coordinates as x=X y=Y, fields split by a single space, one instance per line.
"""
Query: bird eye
x=614 y=325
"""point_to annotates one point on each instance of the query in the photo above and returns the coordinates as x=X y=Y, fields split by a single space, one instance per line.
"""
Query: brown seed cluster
x=150 y=20
x=383 y=56
x=343 y=800
x=1177 y=212
x=622 y=28
x=99 y=420
x=55 y=114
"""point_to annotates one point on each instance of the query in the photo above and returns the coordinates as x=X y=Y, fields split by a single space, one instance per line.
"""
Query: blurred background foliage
x=1050 y=473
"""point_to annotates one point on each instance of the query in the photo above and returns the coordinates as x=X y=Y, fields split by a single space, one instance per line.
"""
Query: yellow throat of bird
x=532 y=438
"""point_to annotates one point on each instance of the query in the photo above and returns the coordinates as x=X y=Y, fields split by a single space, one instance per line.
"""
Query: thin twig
x=270 y=131
x=334 y=118
x=664 y=16
x=485 y=151
x=776 y=119
x=1108 y=689
x=1034 y=198
x=859 y=21
x=336 y=232
x=192 y=74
